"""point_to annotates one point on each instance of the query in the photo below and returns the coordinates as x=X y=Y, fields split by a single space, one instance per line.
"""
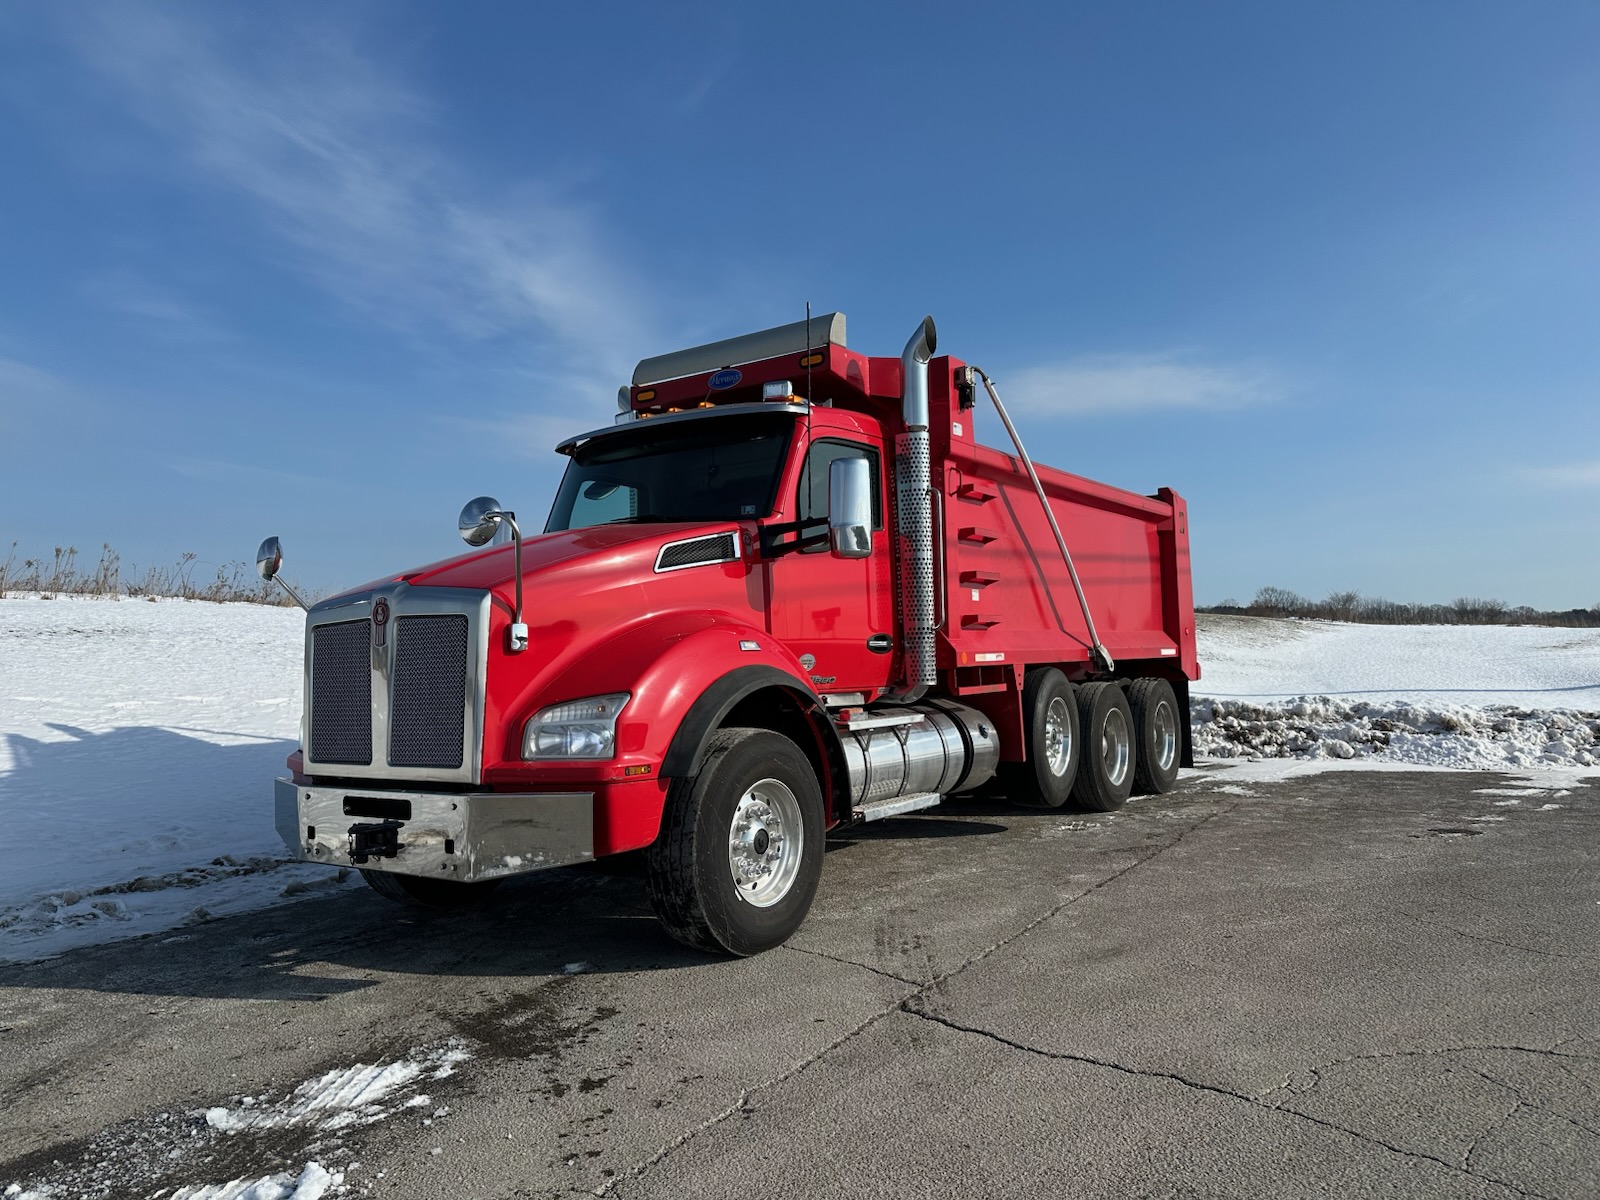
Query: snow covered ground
x=1470 y=697
x=138 y=743
x=139 y=740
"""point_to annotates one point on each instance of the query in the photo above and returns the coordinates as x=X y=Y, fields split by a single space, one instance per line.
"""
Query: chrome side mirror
x=479 y=520
x=269 y=558
x=850 y=508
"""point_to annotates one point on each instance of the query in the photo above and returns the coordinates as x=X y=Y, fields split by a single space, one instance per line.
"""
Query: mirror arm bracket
x=293 y=595
x=517 y=634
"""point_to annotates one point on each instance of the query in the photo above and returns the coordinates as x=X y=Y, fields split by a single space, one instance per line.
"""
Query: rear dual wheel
x=1105 y=778
x=1160 y=732
x=1050 y=707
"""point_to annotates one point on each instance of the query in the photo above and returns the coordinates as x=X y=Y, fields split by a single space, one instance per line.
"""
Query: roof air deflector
x=750 y=347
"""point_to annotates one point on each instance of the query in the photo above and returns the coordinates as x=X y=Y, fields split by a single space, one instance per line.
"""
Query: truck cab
x=786 y=590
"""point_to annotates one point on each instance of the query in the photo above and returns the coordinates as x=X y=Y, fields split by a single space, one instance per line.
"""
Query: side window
x=813 y=499
x=599 y=501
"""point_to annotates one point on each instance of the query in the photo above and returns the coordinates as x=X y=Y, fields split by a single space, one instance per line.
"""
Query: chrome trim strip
x=462 y=836
x=407 y=601
x=705 y=562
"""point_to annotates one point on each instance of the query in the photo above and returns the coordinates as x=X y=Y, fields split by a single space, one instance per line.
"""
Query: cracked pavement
x=1351 y=984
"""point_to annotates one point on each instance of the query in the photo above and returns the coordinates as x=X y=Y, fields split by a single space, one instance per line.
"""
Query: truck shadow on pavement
x=319 y=944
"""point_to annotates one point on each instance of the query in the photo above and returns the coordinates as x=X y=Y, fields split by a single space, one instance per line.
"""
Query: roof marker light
x=811 y=360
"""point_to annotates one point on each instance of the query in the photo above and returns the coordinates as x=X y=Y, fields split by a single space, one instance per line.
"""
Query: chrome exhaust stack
x=914 y=517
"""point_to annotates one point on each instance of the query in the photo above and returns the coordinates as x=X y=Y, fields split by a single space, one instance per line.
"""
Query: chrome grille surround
x=425 y=682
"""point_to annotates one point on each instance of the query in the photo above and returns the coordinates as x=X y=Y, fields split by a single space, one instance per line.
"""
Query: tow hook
x=379 y=839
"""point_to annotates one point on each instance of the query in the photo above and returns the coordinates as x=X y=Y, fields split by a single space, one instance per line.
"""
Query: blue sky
x=329 y=270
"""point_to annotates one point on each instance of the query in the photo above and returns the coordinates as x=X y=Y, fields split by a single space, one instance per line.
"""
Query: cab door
x=838 y=611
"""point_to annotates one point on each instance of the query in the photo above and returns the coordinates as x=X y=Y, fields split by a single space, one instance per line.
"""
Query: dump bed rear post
x=1177 y=603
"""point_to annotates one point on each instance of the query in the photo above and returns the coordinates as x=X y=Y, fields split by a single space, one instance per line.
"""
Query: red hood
x=493 y=567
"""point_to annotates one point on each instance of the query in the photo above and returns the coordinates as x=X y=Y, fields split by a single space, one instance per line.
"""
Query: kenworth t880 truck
x=786 y=591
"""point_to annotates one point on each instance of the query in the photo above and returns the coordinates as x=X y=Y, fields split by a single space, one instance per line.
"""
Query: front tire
x=1105 y=776
x=739 y=856
x=1051 y=710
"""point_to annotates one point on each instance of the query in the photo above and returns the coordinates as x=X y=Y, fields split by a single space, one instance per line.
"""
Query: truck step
x=876 y=810
x=856 y=720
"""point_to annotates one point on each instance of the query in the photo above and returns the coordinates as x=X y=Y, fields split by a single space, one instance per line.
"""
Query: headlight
x=577 y=729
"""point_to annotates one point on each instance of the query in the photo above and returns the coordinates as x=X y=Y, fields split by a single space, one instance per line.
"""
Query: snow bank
x=138 y=743
x=1459 y=697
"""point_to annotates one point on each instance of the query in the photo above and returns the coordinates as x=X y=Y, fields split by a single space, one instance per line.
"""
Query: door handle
x=880 y=643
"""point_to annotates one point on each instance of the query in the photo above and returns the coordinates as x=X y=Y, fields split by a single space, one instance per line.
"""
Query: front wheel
x=739 y=855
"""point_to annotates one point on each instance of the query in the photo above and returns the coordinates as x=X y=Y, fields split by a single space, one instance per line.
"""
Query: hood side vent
x=698 y=552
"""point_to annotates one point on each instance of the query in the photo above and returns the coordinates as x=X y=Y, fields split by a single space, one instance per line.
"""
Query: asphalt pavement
x=1352 y=984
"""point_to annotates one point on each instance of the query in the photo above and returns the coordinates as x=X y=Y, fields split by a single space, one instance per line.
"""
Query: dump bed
x=1008 y=597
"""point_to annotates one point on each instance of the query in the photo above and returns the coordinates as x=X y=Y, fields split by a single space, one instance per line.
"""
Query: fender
x=668 y=665
x=705 y=715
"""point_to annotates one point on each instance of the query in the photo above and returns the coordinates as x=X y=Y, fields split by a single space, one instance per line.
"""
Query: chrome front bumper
x=466 y=836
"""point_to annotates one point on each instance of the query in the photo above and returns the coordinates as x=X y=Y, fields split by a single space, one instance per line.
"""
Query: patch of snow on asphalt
x=313 y=1183
x=357 y=1095
x=135 y=1158
x=1323 y=695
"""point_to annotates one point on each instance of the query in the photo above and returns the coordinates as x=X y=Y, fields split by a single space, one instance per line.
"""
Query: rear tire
x=1051 y=710
x=739 y=855
x=1105 y=775
x=1160 y=735
x=430 y=893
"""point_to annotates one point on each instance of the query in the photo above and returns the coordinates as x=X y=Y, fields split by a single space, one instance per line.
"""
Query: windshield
x=716 y=469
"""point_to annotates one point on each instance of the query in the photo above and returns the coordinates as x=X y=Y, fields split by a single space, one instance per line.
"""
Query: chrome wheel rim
x=1165 y=727
x=1057 y=736
x=1115 y=747
x=765 y=843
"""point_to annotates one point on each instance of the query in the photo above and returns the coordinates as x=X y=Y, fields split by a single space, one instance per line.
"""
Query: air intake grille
x=341 y=693
x=428 y=720
x=722 y=547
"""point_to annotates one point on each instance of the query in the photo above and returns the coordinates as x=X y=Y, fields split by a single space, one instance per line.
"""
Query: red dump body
x=1008 y=600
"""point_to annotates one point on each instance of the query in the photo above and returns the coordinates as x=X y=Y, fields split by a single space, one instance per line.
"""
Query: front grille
x=341 y=693
x=428 y=715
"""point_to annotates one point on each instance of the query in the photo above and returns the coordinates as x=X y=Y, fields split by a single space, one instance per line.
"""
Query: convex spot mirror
x=476 y=523
x=849 y=508
x=269 y=558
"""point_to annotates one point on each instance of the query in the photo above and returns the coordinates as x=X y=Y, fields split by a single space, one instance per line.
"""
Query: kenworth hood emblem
x=380 y=621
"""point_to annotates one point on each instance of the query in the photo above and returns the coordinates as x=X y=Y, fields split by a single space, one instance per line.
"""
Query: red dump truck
x=786 y=591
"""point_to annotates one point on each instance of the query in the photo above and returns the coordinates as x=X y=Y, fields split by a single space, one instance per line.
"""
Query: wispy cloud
x=1565 y=475
x=1134 y=383
x=154 y=307
x=25 y=388
x=343 y=162
x=234 y=474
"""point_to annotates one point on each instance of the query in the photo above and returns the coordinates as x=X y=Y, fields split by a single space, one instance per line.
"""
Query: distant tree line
x=1375 y=610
